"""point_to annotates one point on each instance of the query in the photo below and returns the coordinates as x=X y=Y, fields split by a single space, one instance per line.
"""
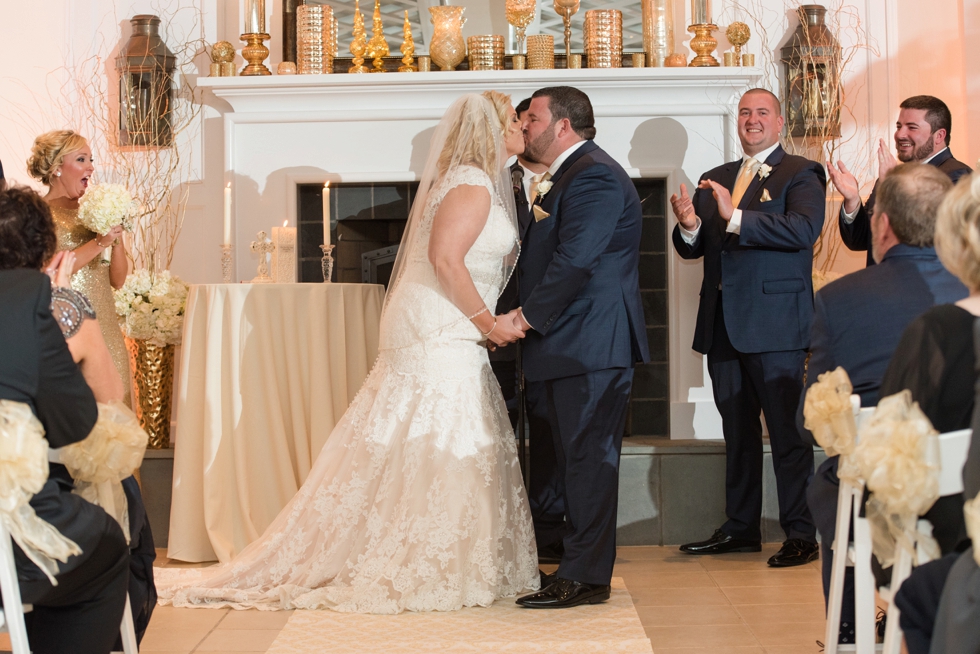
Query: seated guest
x=859 y=319
x=936 y=361
x=82 y=613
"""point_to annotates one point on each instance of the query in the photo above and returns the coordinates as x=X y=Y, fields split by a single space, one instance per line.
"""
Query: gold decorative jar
x=604 y=38
x=540 y=52
x=315 y=43
x=447 y=48
x=486 y=52
x=153 y=381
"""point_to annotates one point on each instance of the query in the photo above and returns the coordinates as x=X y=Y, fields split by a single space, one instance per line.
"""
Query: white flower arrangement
x=544 y=187
x=152 y=306
x=104 y=206
x=764 y=171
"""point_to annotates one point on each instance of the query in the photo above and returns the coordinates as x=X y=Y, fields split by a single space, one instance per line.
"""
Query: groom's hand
x=506 y=331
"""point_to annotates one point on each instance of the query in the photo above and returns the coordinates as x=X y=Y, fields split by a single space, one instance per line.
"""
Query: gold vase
x=604 y=38
x=153 y=377
x=447 y=48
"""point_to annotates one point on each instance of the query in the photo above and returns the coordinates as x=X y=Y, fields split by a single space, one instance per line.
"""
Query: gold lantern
x=146 y=69
x=811 y=61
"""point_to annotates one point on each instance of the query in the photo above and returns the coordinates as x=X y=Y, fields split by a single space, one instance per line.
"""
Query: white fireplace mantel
x=671 y=123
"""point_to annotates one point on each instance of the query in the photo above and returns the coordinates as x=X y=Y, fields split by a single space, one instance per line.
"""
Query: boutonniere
x=764 y=171
x=544 y=187
x=539 y=213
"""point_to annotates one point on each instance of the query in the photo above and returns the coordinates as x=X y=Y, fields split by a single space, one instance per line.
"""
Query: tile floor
x=730 y=604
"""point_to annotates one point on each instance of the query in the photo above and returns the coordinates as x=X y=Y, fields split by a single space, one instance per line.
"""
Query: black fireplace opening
x=367 y=224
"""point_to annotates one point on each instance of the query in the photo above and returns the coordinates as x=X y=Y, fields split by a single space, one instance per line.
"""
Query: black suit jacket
x=766 y=270
x=857 y=234
x=37 y=369
x=859 y=319
x=579 y=267
x=509 y=298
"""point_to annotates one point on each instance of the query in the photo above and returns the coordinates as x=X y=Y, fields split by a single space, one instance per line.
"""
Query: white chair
x=953 y=448
x=858 y=556
x=12 y=613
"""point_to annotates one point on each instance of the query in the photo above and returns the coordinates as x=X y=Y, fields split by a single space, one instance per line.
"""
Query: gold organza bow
x=828 y=413
x=23 y=471
x=111 y=453
x=898 y=457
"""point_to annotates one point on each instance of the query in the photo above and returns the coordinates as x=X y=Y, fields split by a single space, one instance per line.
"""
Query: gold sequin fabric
x=93 y=282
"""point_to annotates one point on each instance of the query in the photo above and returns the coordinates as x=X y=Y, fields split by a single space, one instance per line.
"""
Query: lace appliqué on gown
x=416 y=502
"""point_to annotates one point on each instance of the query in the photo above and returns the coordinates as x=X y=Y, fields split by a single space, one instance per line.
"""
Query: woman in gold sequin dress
x=62 y=160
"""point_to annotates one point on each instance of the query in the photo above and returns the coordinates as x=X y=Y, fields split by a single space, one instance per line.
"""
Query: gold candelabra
x=566 y=9
x=520 y=14
x=407 y=49
x=377 y=46
x=358 y=45
x=703 y=45
x=255 y=53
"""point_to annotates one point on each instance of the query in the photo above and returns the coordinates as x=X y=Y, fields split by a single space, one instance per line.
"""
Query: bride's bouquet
x=104 y=206
x=152 y=306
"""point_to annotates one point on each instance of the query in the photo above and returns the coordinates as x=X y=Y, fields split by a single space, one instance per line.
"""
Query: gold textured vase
x=153 y=378
x=447 y=48
x=604 y=38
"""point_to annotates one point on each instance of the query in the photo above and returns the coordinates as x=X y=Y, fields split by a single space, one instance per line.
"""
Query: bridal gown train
x=416 y=502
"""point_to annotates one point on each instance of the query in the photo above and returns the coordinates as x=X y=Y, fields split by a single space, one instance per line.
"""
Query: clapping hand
x=885 y=159
x=723 y=198
x=59 y=269
x=846 y=184
x=684 y=210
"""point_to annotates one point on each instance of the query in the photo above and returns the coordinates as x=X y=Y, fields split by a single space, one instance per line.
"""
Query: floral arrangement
x=104 y=206
x=152 y=306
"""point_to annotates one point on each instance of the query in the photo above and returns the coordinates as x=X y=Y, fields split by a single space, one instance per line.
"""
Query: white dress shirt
x=735 y=224
x=849 y=217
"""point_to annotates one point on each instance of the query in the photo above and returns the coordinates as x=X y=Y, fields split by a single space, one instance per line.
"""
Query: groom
x=581 y=310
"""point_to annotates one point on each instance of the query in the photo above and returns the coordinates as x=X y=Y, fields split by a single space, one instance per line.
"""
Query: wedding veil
x=470 y=134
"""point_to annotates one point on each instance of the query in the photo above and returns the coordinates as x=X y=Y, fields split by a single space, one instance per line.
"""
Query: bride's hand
x=505 y=331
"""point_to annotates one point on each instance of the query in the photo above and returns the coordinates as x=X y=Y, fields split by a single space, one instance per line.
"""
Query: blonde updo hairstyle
x=476 y=136
x=958 y=231
x=49 y=151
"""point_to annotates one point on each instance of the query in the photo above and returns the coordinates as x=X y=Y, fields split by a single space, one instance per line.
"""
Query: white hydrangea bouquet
x=104 y=206
x=151 y=307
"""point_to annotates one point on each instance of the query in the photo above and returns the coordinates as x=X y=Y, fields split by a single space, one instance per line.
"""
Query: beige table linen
x=266 y=371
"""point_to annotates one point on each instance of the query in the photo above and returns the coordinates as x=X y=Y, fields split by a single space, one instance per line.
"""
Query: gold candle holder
x=738 y=35
x=425 y=64
x=447 y=48
x=604 y=38
x=541 y=52
x=703 y=45
x=729 y=59
x=255 y=53
x=228 y=69
x=518 y=62
x=566 y=9
x=520 y=14
x=408 y=48
x=358 y=45
x=639 y=60
x=315 y=40
x=658 y=30
x=574 y=60
x=748 y=60
x=215 y=69
x=286 y=68
x=378 y=45
x=486 y=52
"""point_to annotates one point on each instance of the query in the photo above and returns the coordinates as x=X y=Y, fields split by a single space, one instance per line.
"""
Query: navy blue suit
x=857 y=234
x=756 y=330
x=858 y=322
x=579 y=289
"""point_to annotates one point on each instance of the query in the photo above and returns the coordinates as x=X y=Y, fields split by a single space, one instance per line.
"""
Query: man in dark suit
x=921 y=135
x=755 y=222
x=584 y=326
x=859 y=319
x=83 y=612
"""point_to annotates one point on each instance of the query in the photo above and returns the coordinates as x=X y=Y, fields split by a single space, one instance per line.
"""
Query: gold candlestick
x=520 y=14
x=407 y=49
x=378 y=46
x=358 y=46
x=703 y=45
x=738 y=35
x=255 y=53
x=566 y=9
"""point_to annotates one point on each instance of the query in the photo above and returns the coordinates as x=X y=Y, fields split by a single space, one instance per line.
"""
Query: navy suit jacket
x=579 y=267
x=859 y=319
x=766 y=270
x=857 y=234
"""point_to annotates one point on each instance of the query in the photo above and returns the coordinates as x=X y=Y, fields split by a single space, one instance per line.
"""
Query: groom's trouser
x=586 y=415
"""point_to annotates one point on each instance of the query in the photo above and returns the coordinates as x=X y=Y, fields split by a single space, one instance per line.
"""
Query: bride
x=415 y=502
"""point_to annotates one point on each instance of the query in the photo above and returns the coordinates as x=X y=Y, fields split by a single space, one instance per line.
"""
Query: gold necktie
x=744 y=179
x=537 y=179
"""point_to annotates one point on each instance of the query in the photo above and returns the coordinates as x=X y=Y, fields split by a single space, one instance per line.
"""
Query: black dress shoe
x=547 y=579
x=564 y=594
x=795 y=551
x=551 y=553
x=722 y=543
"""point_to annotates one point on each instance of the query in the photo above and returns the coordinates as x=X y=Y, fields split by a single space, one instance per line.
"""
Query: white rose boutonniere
x=764 y=171
x=544 y=187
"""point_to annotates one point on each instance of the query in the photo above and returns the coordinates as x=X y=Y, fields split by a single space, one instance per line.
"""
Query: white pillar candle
x=254 y=16
x=326 y=214
x=700 y=12
x=226 y=234
x=284 y=254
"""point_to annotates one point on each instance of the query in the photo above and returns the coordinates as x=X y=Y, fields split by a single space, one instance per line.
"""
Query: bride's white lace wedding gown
x=416 y=501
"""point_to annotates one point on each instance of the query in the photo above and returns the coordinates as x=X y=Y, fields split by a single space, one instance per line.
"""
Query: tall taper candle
x=326 y=213
x=255 y=16
x=700 y=12
x=226 y=238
